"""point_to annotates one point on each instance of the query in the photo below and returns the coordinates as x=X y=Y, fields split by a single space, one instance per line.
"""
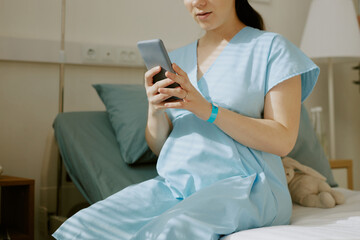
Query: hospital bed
x=105 y=151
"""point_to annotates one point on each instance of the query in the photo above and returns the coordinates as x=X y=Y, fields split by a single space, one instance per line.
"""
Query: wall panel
x=28 y=106
x=79 y=93
x=126 y=22
x=38 y=19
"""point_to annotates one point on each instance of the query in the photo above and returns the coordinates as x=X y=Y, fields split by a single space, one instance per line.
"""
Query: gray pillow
x=127 y=108
x=308 y=150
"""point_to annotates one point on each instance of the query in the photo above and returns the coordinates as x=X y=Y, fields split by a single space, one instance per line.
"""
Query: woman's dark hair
x=248 y=15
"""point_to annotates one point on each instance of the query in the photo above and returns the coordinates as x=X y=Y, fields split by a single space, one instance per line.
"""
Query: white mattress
x=340 y=222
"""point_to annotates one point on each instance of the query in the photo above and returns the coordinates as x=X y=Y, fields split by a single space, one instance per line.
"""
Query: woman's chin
x=206 y=26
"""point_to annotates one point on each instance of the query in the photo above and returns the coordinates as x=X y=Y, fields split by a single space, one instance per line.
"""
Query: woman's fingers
x=178 y=70
x=159 y=98
x=163 y=83
x=176 y=92
x=185 y=90
x=150 y=74
x=176 y=78
x=155 y=97
x=175 y=104
x=154 y=89
x=159 y=92
x=180 y=77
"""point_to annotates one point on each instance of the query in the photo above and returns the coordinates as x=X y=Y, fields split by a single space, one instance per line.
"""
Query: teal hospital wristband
x=214 y=113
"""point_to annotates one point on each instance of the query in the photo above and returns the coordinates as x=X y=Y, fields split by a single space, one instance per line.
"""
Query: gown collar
x=194 y=51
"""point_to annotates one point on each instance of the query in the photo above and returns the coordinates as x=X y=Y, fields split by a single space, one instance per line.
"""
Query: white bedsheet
x=340 y=222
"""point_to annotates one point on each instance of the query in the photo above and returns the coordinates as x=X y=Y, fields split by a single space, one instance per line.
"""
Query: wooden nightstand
x=347 y=164
x=17 y=206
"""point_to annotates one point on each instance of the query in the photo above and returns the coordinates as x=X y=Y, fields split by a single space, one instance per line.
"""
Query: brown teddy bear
x=308 y=187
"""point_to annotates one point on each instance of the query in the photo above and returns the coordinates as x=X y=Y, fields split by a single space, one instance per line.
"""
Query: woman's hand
x=192 y=100
x=158 y=125
x=156 y=99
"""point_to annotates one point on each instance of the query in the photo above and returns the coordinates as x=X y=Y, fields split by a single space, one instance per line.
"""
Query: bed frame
x=347 y=164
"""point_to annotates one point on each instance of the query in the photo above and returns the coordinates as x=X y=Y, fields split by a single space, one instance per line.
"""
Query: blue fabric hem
x=304 y=95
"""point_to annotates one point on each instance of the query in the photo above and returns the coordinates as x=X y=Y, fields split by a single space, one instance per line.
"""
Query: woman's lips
x=203 y=16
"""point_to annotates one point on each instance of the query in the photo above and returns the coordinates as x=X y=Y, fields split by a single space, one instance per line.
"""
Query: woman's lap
x=149 y=211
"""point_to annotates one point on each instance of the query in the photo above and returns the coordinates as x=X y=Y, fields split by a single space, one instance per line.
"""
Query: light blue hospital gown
x=209 y=185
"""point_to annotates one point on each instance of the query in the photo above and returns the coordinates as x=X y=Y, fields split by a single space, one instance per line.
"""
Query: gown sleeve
x=286 y=61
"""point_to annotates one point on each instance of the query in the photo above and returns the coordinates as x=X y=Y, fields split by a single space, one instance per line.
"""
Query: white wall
x=79 y=81
x=29 y=91
x=126 y=22
x=286 y=17
x=39 y=19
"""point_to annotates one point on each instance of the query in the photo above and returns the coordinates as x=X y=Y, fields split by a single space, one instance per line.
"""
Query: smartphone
x=154 y=54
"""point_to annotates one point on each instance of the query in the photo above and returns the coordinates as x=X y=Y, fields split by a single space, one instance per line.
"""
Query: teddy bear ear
x=305 y=169
x=289 y=162
x=312 y=172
